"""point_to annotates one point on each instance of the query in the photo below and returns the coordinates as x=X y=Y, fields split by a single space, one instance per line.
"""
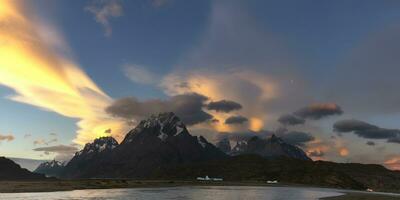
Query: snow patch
x=102 y=147
x=202 y=143
x=178 y=130
x=163 y=136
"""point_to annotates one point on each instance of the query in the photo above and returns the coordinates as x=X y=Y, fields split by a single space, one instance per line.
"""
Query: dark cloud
x=313 y=111
x=63 y=152
x=365 y=130
x=297 y=138
x=224 y=106
x=7 y=138
x=236 y=120
x=187 y=106
x=290 y=120
x=240 y=136
x=318 y=111
x=58 y=149
x=370 y=143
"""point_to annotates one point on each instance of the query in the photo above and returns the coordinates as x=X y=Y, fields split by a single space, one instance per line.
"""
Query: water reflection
x=182 y=193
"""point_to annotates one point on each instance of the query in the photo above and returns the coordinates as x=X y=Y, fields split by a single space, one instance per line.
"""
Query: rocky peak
x=163 y=125
x=275 y=139
x=224 y=145
x=51 y=164
x=99 y=145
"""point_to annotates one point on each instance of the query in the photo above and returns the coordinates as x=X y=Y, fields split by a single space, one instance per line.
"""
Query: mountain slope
x=9 y=170
x=87 y=162
x=161 y=140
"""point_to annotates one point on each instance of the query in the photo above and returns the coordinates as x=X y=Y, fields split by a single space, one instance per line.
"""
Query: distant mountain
x=161 y=140
x=273 y=147
x=288 y=171
x=50 y=169
x=9 y=170
x=29 y=164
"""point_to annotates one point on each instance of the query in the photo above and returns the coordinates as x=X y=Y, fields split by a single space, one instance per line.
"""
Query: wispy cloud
x=160 y=3
x=39 y=75
x=140 y=74
x=7 y=138
x=103 y=11
x=44 y=142
x=63 y=152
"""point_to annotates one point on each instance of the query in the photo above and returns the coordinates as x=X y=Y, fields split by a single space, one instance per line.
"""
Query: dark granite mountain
x=158 y=141
x=272 y=147
x=84 y=163
x=50 y=169
x=224 y=145
x=9 y=170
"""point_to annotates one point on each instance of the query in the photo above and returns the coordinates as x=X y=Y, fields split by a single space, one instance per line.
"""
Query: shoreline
x=84 y=184
x=362 y=196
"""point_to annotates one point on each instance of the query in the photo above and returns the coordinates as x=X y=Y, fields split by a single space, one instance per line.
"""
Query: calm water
x=183 y=193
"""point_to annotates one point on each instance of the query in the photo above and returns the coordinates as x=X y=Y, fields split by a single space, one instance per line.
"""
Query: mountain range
x=161 y=140
x=161 y=147
x=273 y=147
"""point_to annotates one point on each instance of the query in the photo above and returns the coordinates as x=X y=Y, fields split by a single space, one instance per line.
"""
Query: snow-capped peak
x=99 y=145
x=52 y=164
x=163 y=125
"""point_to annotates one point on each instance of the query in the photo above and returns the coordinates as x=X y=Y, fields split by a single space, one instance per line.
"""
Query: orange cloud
x=343 y=152
x=248 y=88
x=42 y=77
x=393 y=163
x=256 y=124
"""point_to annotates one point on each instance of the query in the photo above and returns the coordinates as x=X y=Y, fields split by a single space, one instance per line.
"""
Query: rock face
x=9 y=170
x=86 y=161
x=50 y=169
x=161 y=140
x=272 y=147
x=224 y=145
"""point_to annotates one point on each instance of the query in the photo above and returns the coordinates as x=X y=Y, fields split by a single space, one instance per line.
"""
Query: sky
x=321 y=74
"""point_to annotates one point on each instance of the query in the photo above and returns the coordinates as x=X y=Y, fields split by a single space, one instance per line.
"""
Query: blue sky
x=272 y=57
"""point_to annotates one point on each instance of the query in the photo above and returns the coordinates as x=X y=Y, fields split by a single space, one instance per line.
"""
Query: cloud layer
x=365 y=130
x=63 y=152
x=318 y=111
x=236 y=120
x=39 y=73
x=189 y=107
x=313 y=111
x=224 y=106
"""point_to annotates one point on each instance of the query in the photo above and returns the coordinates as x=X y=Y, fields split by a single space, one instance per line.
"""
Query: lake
x=182 y=193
